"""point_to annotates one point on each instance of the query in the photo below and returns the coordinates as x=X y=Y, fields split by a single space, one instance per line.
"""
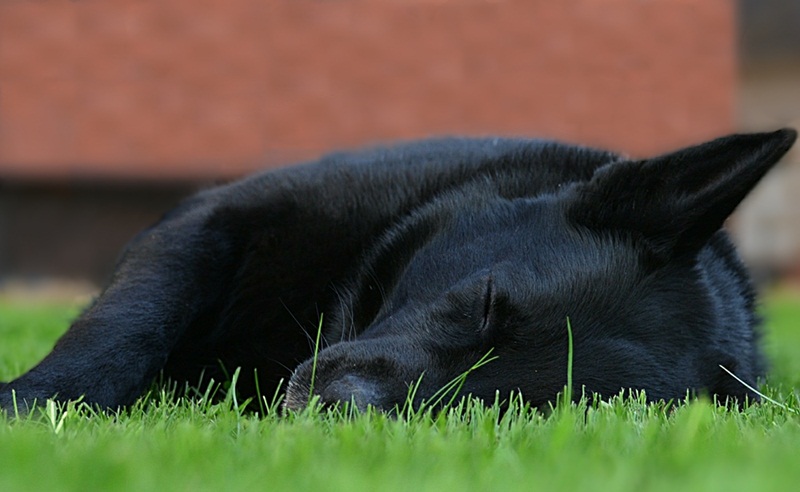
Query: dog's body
x=421 y=259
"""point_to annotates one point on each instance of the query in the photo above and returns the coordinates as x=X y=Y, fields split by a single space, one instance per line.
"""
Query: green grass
x=168 y=444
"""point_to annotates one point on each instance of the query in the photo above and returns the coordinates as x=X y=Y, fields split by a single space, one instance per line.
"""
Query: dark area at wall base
x=76 y=230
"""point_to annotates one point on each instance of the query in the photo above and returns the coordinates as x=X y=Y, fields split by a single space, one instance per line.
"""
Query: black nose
x=351 y=389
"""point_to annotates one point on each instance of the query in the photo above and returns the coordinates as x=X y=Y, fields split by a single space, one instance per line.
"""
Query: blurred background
x=112 y=110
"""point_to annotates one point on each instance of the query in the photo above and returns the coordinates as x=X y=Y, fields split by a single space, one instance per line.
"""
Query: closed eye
x=488 y=304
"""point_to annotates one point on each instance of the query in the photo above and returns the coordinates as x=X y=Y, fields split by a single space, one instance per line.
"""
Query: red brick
x=191 y=88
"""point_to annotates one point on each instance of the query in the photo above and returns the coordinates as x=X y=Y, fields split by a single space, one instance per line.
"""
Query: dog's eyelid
x=488 y=303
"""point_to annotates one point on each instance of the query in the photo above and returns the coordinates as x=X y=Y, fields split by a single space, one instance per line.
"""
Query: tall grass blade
x=314 y=361
x=570 y=352
x=762 y=395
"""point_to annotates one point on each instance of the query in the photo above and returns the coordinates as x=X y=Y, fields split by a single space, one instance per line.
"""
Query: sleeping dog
x=414 y=262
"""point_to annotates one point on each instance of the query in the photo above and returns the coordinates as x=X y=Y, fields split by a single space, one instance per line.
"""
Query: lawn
x=168 y=444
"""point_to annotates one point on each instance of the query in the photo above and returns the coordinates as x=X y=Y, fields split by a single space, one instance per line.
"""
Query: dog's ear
x=676 y=201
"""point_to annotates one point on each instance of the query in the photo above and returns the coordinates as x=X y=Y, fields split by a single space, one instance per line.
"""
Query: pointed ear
x=676 y=202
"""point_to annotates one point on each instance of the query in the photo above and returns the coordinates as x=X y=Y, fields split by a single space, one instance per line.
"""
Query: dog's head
x=478 y=277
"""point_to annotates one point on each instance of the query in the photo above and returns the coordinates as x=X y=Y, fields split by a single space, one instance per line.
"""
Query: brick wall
x=199 y=88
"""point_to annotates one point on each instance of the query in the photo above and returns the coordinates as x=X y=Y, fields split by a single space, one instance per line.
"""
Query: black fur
x=423 y=258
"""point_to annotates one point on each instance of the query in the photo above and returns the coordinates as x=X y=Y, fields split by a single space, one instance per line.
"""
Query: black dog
x=423 y=258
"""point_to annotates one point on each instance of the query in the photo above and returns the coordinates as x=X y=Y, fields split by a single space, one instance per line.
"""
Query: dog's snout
x=351 y=389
